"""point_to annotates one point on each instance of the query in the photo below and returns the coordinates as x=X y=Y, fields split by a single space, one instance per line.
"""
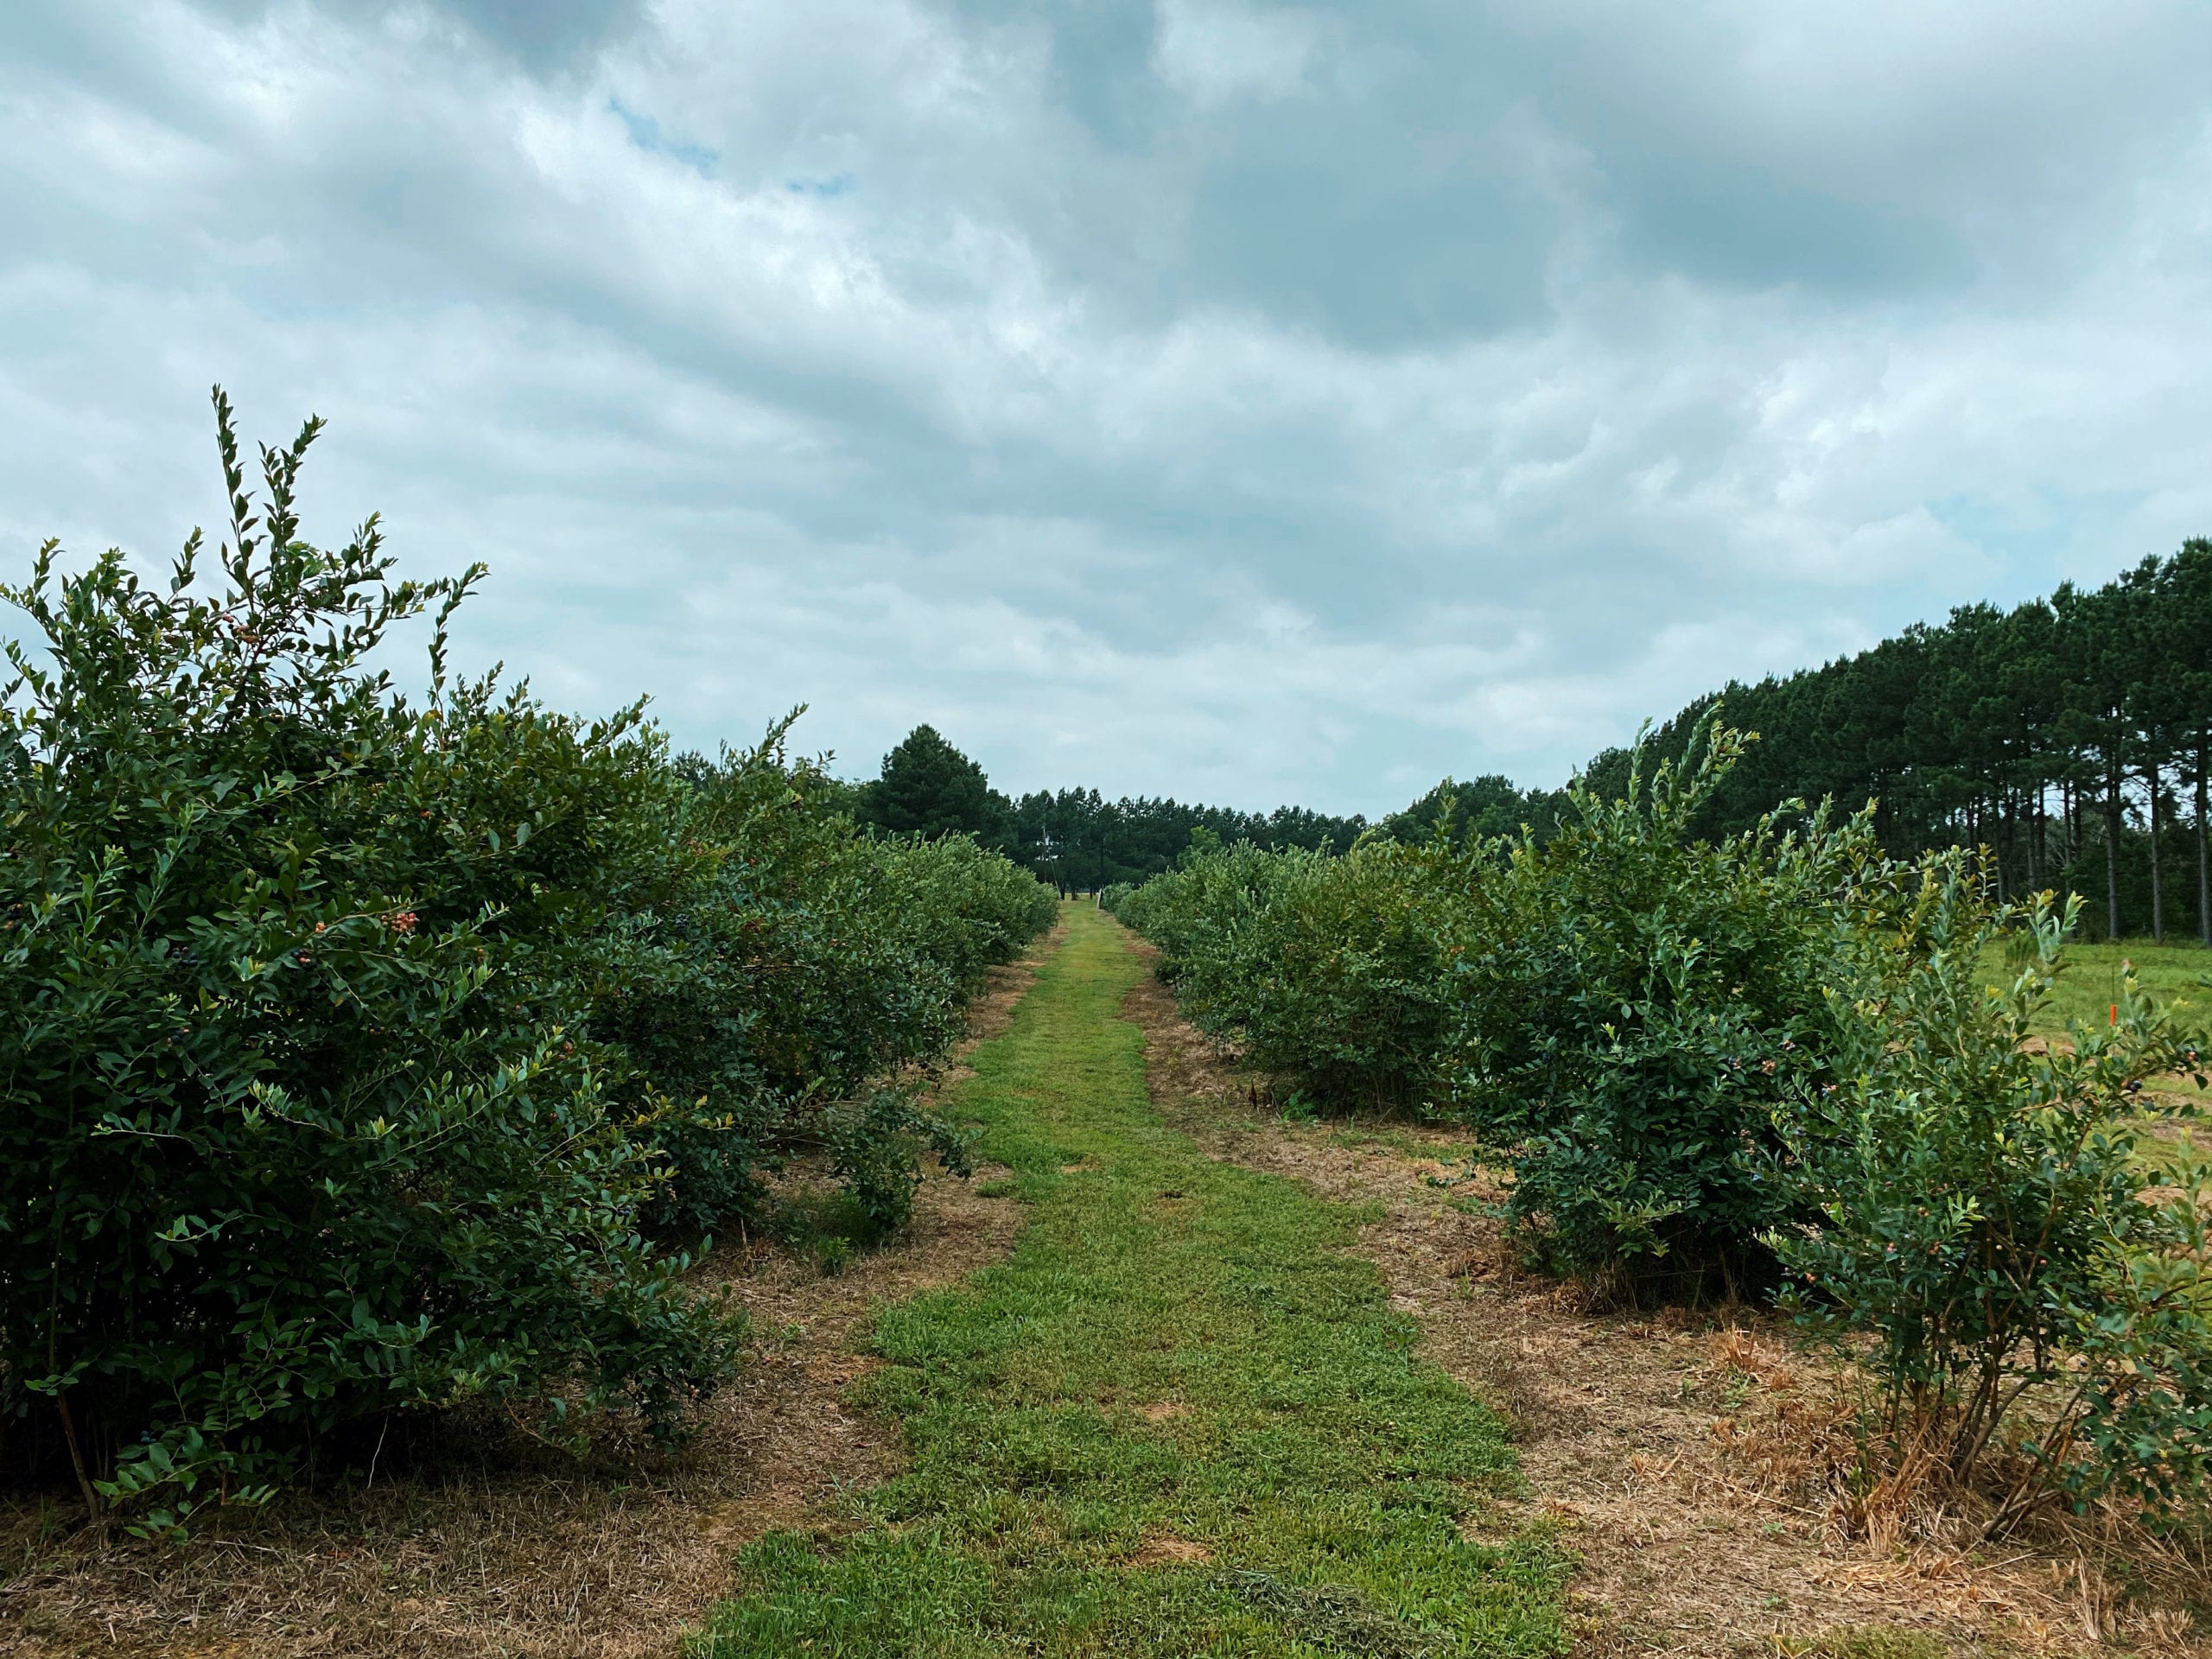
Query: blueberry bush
x=1756 y=1064
x=361 y=1054
x=2027 y=1254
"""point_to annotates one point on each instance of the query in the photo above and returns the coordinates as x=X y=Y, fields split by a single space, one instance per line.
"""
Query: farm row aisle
x=1181 y=1418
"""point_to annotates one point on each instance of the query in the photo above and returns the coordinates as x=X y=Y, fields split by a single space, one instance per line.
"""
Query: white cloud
x=1251 y=404
x=1214 y=51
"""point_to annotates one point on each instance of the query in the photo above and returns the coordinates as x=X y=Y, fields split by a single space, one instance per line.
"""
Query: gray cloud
x=1250 y=402
x=542 y=36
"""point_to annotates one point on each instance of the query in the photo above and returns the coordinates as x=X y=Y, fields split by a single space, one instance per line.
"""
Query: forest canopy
x=2071 y=735
x=2066 y=734
x=1075 y=838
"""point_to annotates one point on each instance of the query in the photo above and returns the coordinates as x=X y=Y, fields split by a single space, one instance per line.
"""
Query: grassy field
x=2171 y=973
x=1181 y=1419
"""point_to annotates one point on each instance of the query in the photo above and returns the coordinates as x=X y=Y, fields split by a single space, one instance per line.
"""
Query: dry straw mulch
x=479 y=1546
x=1696 y=1461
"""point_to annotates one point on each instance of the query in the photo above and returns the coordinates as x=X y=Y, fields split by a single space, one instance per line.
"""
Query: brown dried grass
x=1165 y=1550
x=1705 y=1465
x=481 y=1544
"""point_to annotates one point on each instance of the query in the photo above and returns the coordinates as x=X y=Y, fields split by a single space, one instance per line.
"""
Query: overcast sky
x=1245 y=401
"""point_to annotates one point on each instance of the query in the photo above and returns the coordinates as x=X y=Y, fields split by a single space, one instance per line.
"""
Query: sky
x=1239 y=402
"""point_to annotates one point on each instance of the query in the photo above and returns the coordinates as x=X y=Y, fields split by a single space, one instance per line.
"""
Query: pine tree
x=928 y=788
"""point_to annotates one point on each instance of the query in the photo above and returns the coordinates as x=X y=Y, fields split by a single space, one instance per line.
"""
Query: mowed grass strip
x=1181 y=1419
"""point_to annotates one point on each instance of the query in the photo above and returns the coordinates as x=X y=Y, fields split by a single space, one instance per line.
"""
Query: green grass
x=1323 y=1466
x=2086 y=991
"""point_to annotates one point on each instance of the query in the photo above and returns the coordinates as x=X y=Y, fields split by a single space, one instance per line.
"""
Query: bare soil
x=1695 y=1461
x=480 y=1546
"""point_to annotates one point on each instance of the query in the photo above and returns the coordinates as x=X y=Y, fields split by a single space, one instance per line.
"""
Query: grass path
x=1181 y=1419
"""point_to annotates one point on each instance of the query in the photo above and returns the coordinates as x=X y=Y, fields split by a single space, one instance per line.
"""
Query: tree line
x=1076 y=839
x=2069 y=735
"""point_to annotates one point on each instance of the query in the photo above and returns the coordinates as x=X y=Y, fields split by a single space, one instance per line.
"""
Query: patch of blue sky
x=837 y=184
x=2039 y=533
x=646 y=134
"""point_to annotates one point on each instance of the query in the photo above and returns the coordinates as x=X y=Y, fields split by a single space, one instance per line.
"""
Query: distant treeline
x=1075 y=838
x=1081 y=840
x=2071 y=735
